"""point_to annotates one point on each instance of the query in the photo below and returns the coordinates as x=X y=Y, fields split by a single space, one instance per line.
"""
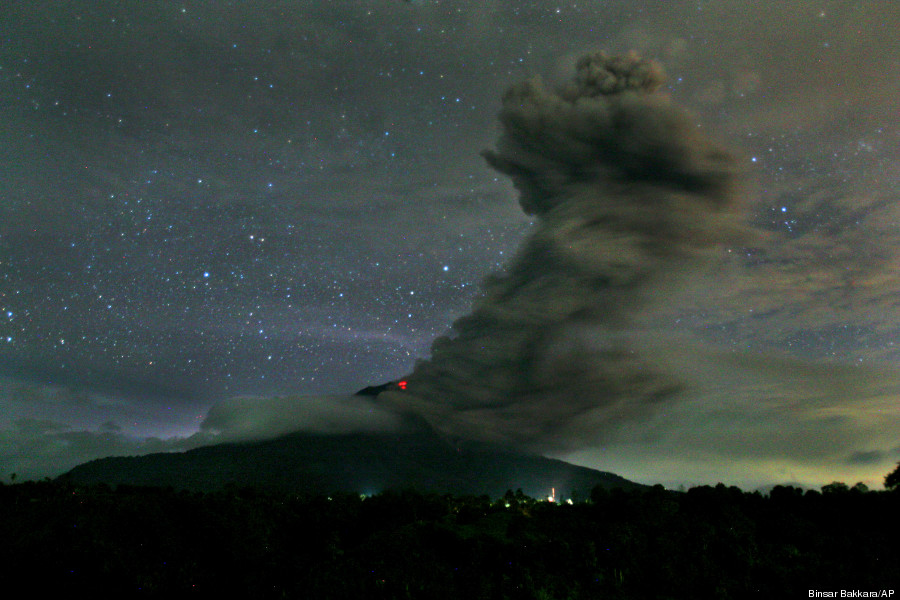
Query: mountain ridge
x=416 y=457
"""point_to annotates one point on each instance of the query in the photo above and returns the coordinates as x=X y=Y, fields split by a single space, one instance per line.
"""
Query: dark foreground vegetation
x=708 y=542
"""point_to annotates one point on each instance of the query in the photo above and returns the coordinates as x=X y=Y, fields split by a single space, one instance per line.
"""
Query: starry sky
x=219 y=220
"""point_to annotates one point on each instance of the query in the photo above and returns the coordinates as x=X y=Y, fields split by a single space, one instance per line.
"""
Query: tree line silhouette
x=707 y=542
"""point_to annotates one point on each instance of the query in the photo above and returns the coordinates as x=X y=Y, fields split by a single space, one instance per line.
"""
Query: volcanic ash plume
x=627 y=192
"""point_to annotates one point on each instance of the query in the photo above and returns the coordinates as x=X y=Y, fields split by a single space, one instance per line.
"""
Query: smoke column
x=629 y=195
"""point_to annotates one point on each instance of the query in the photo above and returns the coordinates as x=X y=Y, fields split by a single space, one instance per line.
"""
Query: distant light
x=205 y=273
x=446 y=268
x=402 y=384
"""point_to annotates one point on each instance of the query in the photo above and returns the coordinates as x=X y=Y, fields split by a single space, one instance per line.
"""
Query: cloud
x=37 y=448
x=46 y=430
x=821 y=282
x=630 y=196
x=252 y=418
x=800 y=67
x=83 y=427
x=867 y=457
x=751 y=419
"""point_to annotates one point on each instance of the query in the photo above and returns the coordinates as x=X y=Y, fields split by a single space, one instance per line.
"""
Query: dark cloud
x=868 y=457
x=605 y=126
x=628 y=192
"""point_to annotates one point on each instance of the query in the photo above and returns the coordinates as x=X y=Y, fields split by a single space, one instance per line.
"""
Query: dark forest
x=706 y=542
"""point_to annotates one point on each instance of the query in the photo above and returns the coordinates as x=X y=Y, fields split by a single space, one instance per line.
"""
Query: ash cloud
x=630 y=195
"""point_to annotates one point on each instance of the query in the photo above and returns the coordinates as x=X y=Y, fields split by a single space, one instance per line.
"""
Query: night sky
x=219 y=220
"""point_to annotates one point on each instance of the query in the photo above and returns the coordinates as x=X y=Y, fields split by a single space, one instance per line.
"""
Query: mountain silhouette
x=416 y=457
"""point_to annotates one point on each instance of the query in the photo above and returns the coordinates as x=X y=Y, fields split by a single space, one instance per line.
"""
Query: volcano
x=415 y=457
